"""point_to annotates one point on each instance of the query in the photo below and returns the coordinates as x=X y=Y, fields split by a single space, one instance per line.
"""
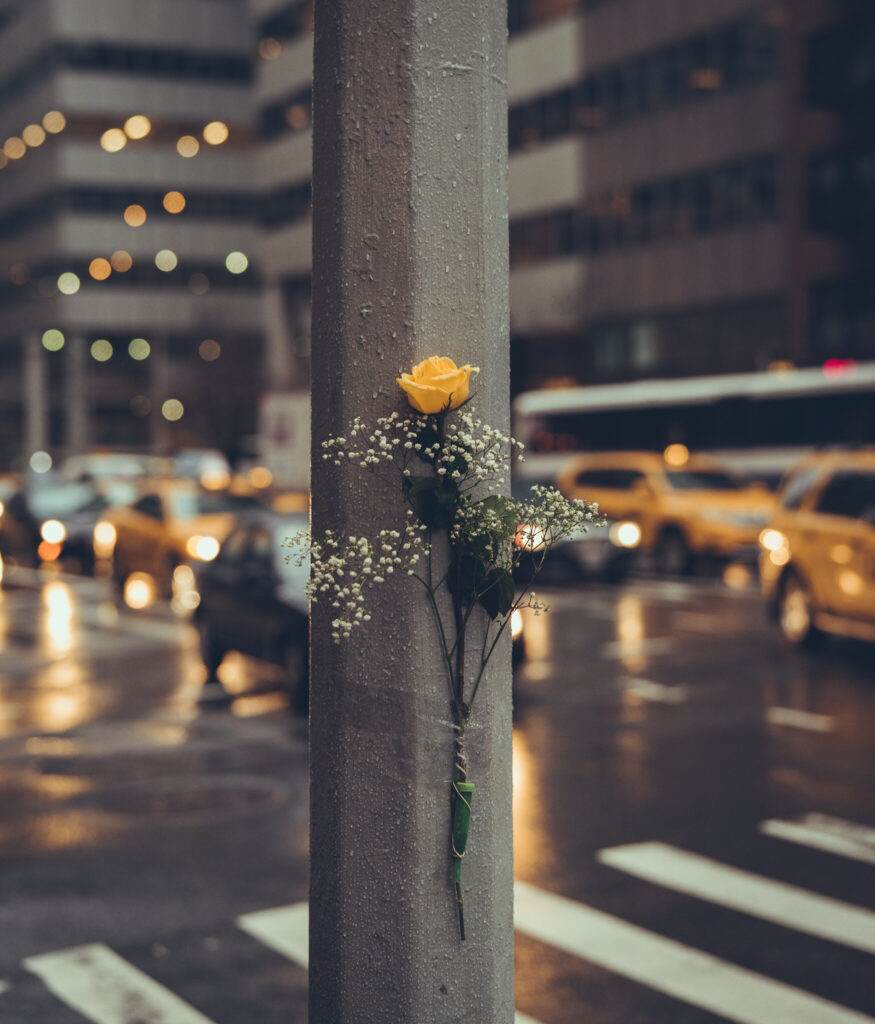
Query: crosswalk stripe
x=286 y=931
x=822 y=832
x=106 y=989
x=741 y=890
x=800 y=719
x=687 y=974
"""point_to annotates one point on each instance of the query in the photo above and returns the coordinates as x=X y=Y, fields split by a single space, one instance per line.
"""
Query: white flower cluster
x=472 y=451
x=555 y=517
x=344 y=569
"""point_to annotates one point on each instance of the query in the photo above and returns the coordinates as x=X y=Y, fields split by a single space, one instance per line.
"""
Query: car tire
x=296 y=674
x=795 y=614
x=212 y=651
x=673 y=556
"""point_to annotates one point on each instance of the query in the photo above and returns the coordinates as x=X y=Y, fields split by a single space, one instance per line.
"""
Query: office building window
x=731 y=56
x=708 y=200
x=292 y=114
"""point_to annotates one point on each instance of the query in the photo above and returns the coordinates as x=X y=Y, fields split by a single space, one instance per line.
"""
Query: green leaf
x=498 y=593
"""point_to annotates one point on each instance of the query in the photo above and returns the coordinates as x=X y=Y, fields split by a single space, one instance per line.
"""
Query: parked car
x=172 y=522
x=254 y=601
x=684 y=509
x=817 y=556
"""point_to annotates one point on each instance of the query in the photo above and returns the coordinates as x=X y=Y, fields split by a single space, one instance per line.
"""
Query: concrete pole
x=410 y=260
x=36 y=397
x=76 y=397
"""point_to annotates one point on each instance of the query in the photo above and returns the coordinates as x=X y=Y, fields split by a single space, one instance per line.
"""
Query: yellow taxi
x=817 y=556
x=684 y=505
x=171 y=523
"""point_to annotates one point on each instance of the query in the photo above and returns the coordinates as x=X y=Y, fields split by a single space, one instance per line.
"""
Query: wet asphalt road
x=676 y=769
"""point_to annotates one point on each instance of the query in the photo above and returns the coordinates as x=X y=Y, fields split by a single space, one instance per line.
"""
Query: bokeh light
x=141 y=405
x=138 y=127
x=209 y=350
x=113 y=139
x=40 y=462
x=54 y=122
x=121 y=260
x=172 y=410
x=53 y=340
x=174 y=202
x=135 y=215
x=99 y=268
x=215 y=133
x=34 y=135
x=4 y=159
x=139 y=349
x=187 y=146
x=68 y=283
x=297 y=116
x=269 y=48
x=101 y=350
x=199 y=284
x=166 y=260
x=236 y=262
x=14 y=148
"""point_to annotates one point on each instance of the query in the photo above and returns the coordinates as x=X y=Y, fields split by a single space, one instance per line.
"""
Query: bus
x=758 y=424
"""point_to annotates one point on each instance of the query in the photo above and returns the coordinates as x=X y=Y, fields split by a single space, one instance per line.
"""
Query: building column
x=77 y=400
x=278 y=350
x=410 y=260
x=35 y=397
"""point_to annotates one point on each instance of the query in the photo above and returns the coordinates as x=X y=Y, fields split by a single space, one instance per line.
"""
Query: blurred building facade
x=129 y=315
x=690 y=193
x=687 y=182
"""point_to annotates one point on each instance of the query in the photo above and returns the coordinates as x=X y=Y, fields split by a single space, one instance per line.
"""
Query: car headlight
x=530 y=537
x=776 y=545
x=625 y=535
x=53 y=531
x=105 y=536
x=516 y=623
x=203 y=548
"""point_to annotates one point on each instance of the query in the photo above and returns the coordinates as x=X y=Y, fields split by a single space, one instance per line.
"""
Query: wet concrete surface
x=667 y=711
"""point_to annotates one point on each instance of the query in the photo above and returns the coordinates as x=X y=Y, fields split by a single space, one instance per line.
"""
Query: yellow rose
x=437 y=384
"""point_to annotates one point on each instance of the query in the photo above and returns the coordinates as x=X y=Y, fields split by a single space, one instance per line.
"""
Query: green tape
x=464 y=793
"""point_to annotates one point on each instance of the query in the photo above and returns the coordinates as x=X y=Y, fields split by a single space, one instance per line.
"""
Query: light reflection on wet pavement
x=660 y=710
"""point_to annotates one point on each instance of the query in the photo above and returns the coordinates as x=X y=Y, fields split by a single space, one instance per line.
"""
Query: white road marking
x=687 y=974
x=286 y=931
x=106 y=989
x=638 y=648
x=820 y=831
x=658 y=692
x=800 y=719
x=749 y=893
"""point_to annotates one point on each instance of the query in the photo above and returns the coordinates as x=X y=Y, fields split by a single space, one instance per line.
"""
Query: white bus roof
x=696 y=390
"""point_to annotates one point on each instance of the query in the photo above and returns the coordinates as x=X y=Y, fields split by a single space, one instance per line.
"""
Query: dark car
x=598 y=553
x=254 y=601
x=51 y=522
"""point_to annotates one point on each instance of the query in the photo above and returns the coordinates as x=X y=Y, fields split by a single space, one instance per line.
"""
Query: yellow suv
x=685 y=505
x=817 y=557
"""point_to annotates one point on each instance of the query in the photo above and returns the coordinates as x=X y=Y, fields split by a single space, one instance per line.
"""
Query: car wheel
x=296 y=674
x=211 y=650
x=795 y=616
x=673 y=557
